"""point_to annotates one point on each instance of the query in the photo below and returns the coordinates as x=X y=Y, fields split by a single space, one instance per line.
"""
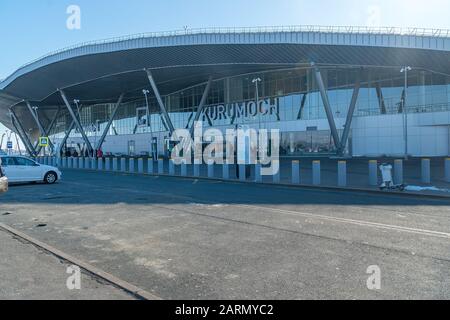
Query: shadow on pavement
x=84 y=188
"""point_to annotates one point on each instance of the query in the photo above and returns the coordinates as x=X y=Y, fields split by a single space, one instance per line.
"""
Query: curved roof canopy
x=101 y=71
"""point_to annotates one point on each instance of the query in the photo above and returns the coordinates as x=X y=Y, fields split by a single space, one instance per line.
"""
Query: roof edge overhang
x=390 y=37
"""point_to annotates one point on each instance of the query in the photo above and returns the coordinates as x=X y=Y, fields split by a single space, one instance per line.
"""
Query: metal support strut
x=66 y=136
x=111 y=119
x=162 y=107
x=76 y=120
x=351 y=112
x=22 y=133
x=327 y=106
x=39 y=124
x=201 y=106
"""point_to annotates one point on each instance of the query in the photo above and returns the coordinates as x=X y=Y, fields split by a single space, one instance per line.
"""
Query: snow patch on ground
x=419 y=189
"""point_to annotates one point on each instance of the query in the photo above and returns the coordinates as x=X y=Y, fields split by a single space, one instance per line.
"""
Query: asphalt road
x=195 y=239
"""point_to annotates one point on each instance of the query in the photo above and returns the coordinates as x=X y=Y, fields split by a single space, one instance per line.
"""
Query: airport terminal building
x=329 y=90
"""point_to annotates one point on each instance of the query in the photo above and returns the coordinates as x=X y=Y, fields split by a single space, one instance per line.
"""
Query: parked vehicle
x=3 y=180
x=22 y=169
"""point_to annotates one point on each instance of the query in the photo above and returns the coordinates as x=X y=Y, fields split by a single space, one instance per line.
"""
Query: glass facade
x=284 y=96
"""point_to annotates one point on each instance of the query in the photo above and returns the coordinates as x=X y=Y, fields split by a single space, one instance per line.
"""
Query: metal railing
x=421 y=32
x=430 y=108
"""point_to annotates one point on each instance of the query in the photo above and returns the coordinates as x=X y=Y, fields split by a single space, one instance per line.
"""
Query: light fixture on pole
x=35 y=110
x=405 y=70
x=149 y=123
x=256 y=81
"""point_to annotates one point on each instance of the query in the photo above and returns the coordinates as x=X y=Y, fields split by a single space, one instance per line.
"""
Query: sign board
x=9 y=145
x=43 y=142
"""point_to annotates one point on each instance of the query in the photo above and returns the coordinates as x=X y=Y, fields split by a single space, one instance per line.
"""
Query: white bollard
x=276 y=175
x=100 y=164
x=210 y=170
x=373 y=173
x=242 y=172
x=184 y=169
x=150 y=169
x=447 y=170
x=160 y=166
x=115 y=164
x=296 y=172
x=258 y=175
x=342 y=173
x=317 y=179
x=226 y=171
x=426 y=171
x=140 y=165
x=108 y=164
x=196 y=170
x=398 y=172
x=131 y=165
x=171 y=167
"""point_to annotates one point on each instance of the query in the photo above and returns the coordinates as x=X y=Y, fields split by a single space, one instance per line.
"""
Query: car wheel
x=50 y=178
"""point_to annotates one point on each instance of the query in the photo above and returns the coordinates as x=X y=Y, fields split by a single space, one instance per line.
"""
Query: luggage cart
x=388 y=181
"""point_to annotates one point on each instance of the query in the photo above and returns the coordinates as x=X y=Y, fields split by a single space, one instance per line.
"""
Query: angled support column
x=76 y=120
x=380 y=97
x=39 y=125
x=66 y=136
x=111 y=119
x=302 y=106
x=327 y=106
x=350 y=114
x=53 y=122
x=188 y=125
x=36 y=119
x=201 y=106
x=208 y=118
x=49 y=130
x=29 y=148
x=22 y=133
x=160 y=102
x=64 y=140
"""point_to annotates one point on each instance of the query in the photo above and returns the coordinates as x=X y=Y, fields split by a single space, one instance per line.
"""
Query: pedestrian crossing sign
x=43 y=142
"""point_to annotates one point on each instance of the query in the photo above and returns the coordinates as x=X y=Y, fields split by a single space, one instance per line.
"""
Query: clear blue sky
x=30 y=29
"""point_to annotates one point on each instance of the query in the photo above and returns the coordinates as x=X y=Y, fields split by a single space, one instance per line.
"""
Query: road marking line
x=321 y=217
x=128 y=287
x=355 y=222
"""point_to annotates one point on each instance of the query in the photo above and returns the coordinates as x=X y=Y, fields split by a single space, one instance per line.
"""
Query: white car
x=21 y=169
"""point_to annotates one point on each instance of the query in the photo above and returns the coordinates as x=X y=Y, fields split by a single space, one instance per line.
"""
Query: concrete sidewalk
x=28 y=273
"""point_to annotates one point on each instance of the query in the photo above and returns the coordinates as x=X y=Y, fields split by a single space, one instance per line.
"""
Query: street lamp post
x=405 y=70
x=256 y=81
x=149 y=123
x=8 y=138
x=35 y=109
x=77 y=104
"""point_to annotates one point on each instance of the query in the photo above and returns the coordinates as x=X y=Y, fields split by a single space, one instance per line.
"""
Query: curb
x=287 y=185
x=116 y=282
